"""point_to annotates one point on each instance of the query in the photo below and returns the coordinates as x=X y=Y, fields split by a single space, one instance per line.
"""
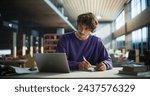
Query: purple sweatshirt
x=92 y=49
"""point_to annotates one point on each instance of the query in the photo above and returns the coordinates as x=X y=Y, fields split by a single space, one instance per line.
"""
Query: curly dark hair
x=87 y=19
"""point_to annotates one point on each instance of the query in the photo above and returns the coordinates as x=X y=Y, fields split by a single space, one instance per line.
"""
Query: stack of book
x=135 y=69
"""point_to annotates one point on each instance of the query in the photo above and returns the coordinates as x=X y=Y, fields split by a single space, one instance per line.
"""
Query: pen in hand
x=84 y=58
x=90 y=68
x=86 y=61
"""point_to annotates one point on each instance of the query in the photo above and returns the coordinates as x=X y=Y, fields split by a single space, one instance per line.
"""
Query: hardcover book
x=134 y=73
x=135 y=69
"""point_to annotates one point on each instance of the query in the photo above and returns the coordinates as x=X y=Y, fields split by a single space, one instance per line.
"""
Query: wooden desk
x=19 y=62
x=78 y=74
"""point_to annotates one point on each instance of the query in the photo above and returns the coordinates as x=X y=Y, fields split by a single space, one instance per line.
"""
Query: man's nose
x=83 y=31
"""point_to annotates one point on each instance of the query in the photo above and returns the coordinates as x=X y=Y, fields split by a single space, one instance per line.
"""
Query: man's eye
x=87 y=28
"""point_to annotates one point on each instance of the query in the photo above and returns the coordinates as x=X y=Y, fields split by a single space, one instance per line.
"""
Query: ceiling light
x=99 y=17
x=62 y=1
x=10 y=25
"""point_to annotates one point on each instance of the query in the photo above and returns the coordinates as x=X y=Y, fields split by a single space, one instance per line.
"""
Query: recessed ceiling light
x=99 y=17
x=66 y=17
x=10 y=25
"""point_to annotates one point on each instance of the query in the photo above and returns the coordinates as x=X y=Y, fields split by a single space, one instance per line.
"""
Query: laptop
x=52 y=62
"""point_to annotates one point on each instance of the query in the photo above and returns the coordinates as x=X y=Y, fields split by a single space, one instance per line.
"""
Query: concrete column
x=24 y=45
x=42 y=45
x=31 y=45
x=37 y=45
x=60 y=31
x=128 y=41
x=14 y=44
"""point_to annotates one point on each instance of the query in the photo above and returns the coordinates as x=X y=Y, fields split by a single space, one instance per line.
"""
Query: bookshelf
x=50 y=42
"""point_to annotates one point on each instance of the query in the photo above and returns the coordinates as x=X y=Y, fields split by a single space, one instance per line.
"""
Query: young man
x=83 y=49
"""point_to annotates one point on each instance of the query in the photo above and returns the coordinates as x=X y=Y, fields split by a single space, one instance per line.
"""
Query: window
x=144 y=34
x=120 y=41
x=137 y=6
x=120 y=21
x=143 y=4
x=139 y=39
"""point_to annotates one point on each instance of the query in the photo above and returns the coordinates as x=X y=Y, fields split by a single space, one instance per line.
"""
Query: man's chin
x=82 y=37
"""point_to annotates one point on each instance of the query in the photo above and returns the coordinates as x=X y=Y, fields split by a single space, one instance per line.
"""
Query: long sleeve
x=108 y=63
x=104 y=56
x=61 y=48
x=73 y=64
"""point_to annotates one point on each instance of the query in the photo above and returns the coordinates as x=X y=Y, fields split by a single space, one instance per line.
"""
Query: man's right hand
x=84 y=65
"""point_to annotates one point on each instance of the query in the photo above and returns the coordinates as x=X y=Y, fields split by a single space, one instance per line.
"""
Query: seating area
x=122 y=56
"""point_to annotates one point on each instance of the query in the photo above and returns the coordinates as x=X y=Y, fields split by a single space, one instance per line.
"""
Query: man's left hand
x=101 y=67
